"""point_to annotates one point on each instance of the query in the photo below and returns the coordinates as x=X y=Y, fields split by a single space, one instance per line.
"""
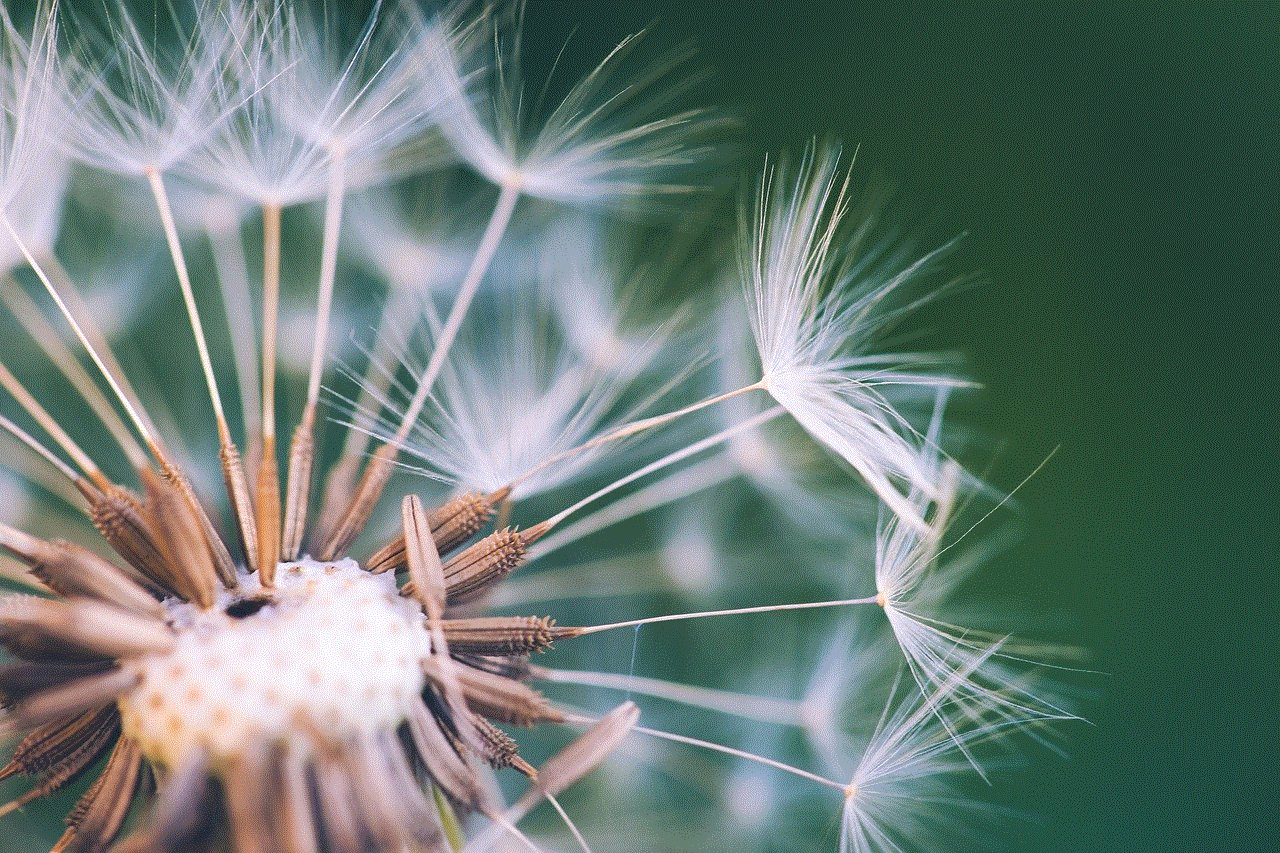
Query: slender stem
x=84 y=316
x=302 y=447
x=737 y=611
x=340 y=480
x=376 y=381
x=328 y=272
x=42 y=332
x=34 y=468
x=669 y=459
x=270 y=314
x=229 y=262
x=184 y=282
x=267 y=489
x=216 y=547
x=564 y=816
x=633 y=428
x=143 y=427
x=376 y=474
x=45 y=453
x=738 y=753
x=50 y=425
x=673 y=487
x=232 y=467
x=576 y=582
x=498 y=222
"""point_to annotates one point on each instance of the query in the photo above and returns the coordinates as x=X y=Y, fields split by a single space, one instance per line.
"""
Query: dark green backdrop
x=1116 y=172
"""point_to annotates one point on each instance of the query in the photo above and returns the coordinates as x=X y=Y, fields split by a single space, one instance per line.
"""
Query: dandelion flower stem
x=377 y=472
x=161 y=196
x=668 y=460
x=673 y=487
x=50 y=425
x=47 y=455
x=144 y=427
x=498 y=222
x=761 y=708
x=564 y=816
x=270 y=313
x=328 y=271
x=29 y=316
x=229 y=263
x=222 y=559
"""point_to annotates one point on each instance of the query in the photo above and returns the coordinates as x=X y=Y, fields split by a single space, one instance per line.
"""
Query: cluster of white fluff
x=494 y=320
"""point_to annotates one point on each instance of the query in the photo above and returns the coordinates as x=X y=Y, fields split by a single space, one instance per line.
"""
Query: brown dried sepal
x=496 y=697
x=97 y=817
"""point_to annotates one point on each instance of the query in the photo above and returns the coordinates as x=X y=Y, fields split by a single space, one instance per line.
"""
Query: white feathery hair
x=913 y=585
x=30 y=86
x=605 y=143
x=512 y=395
x=40 y=197
x=306 y=98
x=362 y=98
x=898 y=799
x=135 y=103
x=774 y=458
x=816 y=311
x=600 y=320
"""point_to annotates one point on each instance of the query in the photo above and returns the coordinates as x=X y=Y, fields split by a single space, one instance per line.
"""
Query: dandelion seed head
x=331 y=647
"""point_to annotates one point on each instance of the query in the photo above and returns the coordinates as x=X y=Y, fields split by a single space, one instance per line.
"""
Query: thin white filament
x=668 y=460
x=138 y=422
x=737 y=611
x=184 y=282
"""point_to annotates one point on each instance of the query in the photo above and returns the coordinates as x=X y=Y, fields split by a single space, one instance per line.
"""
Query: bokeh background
x=1113 y=170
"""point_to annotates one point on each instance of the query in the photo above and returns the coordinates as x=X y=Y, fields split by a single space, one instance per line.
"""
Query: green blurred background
x=1115 y=170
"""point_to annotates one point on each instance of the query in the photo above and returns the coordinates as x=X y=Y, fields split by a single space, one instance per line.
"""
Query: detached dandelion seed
x=320 y=657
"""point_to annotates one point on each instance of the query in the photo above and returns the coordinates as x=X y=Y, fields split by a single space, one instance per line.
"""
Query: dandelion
x=336 y=659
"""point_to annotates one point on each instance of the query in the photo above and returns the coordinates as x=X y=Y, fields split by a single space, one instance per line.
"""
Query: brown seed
x=70 y=698
x=500 y=749
x=502 y=635
x=25 y=678
x=90 y=625
x=71 y=570
x=451 y=525
x=118 y=516
x=62 y=740
x=470 y=573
